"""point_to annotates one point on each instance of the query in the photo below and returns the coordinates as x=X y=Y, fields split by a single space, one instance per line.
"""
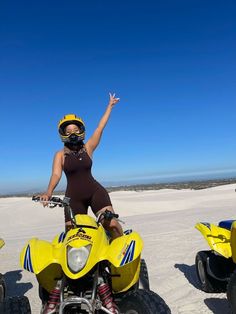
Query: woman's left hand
x=113 y=100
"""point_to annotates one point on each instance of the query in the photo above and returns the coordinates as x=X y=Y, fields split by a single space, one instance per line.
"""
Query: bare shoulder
x=58 y=160
x=59 y=155
x=60 y=152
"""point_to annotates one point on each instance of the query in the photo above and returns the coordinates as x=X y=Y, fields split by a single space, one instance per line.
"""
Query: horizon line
x=177 y=182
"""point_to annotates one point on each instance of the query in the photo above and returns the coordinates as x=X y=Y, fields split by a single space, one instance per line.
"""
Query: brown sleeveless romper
x=82 y=188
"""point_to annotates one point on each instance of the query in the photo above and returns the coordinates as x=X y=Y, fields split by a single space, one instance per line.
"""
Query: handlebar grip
x=55 y=199
x=108 y=215
x=35 y=198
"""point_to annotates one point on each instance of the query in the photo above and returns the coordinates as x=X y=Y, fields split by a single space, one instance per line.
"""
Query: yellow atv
x=12 y=305
x=216 y=268
x=91 y=274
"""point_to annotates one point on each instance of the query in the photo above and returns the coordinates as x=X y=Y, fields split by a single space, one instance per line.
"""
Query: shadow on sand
x=189 y=273
x=13 y=286
x=218 y=306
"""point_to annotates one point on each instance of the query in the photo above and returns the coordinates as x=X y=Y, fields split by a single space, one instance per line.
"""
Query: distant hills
x=193 y=185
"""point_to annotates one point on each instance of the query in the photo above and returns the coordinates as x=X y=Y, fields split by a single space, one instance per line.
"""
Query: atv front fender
x=124 y=254
x=125 y=249
x=218 y=238
x=42 y=258
x=38 y=254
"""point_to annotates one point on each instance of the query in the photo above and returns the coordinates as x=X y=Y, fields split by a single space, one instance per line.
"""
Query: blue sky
x=172 y=63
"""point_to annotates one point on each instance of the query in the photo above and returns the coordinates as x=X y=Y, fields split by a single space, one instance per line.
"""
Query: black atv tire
x=43 y=294
x=15 y=305
x=207 y=282
x=143 y=281
x=143 y=302
x=2 y=288
x=143 y=277
x=231 y=292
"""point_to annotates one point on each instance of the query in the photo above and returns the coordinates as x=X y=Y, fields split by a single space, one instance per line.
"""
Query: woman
x=75 y=159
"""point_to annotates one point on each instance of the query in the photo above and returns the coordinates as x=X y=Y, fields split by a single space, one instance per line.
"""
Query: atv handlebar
x=53 y=201
x=57 y=201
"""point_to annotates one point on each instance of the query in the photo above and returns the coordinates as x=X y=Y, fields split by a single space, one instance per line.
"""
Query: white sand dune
x=165 y=219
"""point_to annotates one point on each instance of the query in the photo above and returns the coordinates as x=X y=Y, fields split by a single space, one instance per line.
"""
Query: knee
x=113 y=224
x=109 y=225
x=115 y=228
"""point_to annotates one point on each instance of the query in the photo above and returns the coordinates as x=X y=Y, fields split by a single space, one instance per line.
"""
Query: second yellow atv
x=216 y=267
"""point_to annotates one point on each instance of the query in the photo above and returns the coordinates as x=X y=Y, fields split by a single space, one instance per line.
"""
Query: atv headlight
x=77 y=257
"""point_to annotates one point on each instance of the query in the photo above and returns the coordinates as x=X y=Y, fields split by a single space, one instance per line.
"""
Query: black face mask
x=75 y=146
x=74 y=139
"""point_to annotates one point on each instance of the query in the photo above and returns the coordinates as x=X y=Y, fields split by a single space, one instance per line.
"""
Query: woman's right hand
x=44 y=198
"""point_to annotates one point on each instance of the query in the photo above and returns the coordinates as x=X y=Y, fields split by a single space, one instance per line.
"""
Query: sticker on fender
x=79 y=236
x=128 y=254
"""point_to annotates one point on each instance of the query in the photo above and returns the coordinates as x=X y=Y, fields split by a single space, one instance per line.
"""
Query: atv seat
x=226 y=224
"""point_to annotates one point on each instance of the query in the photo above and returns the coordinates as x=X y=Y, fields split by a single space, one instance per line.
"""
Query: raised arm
x=55 y=176
x=94 y=140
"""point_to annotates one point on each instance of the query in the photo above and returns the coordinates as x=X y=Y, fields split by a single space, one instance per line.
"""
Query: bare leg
x=112 y=226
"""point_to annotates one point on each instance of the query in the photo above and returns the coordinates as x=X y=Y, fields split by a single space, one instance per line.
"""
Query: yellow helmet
x=74 y=137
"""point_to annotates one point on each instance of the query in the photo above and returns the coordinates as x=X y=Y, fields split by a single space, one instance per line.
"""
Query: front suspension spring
x=104 y=292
